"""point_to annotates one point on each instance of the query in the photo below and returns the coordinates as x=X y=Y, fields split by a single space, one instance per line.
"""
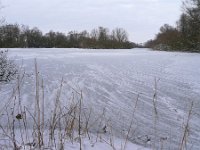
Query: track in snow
x=112 y=79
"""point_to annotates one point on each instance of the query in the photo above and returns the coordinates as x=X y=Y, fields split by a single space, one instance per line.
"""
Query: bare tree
x=191 y=23
x=120 y=35
x=2 y=20
x=94 y=34
x=103 y=34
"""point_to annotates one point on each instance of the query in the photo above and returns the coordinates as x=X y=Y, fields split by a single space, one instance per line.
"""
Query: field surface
x=153 y=89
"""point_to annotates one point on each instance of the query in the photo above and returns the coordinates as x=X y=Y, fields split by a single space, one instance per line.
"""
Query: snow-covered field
x=118 y=83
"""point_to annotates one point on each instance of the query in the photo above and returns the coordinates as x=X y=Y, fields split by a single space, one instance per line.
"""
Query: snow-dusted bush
x=198 y=46
x=8 y=69
x=162 y=47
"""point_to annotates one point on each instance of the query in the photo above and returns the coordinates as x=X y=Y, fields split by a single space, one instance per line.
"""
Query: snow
x=94 y=143
x=111 y=81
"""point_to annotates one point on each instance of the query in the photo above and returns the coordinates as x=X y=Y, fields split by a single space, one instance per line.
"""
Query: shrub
x=8 y=69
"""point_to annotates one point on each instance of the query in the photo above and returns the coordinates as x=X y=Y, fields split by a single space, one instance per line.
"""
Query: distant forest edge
x=20 y=36
x=185 y=36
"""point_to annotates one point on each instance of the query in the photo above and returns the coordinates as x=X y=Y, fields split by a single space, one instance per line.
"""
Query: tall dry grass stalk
x=132 y=121
x=184 y=139
x=155 y=111
x=79 y=121
x=37 y=106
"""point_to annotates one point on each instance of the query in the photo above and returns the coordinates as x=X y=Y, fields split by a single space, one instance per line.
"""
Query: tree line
x=15 y=36
x=185 y=36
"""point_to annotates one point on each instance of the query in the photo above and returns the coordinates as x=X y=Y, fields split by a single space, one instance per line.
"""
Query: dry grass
x=67 y=123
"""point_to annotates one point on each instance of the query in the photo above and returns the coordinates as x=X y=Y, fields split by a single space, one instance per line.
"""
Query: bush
x=8 y=69
x=162 y=47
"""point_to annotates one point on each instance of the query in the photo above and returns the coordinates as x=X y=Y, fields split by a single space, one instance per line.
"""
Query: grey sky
x=141 y=18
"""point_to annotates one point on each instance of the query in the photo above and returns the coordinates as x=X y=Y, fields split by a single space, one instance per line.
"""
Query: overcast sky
x=140 y=18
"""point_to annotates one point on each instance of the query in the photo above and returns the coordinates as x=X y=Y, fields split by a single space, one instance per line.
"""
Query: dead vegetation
x=67 y=123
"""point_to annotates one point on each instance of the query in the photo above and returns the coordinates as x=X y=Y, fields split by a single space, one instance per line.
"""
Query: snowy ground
x=111 y=81
x=102 y=143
